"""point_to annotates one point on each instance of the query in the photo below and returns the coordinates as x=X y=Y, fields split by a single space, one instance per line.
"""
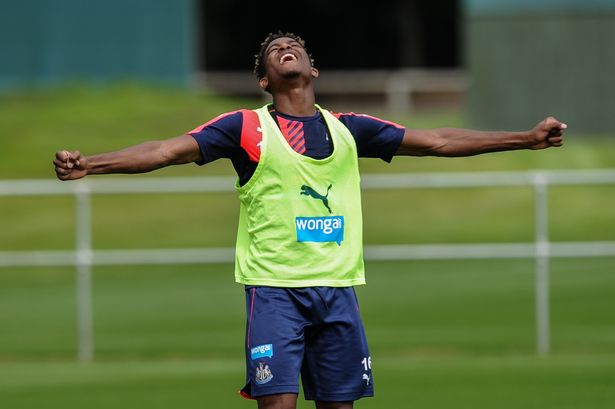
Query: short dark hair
x=259 y=58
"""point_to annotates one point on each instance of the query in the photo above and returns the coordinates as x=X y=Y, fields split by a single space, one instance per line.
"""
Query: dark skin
x=289 y=78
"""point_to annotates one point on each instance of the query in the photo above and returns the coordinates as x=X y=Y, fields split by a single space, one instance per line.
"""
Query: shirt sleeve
x=219 y=138
x=375 y=137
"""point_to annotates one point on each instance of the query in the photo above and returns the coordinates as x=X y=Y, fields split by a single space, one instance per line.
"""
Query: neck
x=295 y=101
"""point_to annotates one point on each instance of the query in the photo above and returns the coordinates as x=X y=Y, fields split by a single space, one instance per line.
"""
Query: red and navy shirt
x=236 y=135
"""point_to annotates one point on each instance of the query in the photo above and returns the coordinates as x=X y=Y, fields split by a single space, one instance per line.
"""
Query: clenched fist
x=547 y=133
x=70 y=165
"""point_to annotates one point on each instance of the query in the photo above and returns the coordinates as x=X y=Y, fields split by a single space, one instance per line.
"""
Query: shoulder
x=375 y=137
x=364 y=121
x=227 y=134
x=229 y=121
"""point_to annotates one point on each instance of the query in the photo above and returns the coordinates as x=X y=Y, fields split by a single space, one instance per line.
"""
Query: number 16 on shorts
x=367 y=367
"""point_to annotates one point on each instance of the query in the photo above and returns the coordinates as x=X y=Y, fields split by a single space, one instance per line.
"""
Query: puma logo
x=366 y=378
x=308 y=191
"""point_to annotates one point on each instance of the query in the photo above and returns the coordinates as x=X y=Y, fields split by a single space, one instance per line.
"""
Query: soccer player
x=299 y=242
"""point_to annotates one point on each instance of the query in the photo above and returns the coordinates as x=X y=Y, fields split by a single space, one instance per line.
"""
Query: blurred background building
x=509 y=63
x=51 y=42
x=528 y=58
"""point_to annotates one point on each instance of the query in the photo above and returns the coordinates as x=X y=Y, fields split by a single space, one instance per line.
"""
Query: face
x=285 y=58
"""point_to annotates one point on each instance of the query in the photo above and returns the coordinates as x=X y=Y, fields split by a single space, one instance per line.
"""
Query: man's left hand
x=546 y=134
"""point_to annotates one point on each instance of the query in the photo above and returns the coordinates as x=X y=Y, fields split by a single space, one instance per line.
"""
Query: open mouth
x=287 y=58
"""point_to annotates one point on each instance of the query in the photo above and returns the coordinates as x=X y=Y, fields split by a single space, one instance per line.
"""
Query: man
x=299 y=250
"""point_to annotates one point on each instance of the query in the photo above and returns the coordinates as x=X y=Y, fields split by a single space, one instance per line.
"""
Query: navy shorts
x=315 y=332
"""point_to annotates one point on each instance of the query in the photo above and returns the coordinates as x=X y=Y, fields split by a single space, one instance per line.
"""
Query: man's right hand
x=70 y=165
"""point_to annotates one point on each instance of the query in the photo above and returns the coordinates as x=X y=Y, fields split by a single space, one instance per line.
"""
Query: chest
x=310 y=138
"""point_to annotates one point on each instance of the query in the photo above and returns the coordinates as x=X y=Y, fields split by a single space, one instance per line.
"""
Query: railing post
x=542 y=253
x=399 y=94
x=83 y=238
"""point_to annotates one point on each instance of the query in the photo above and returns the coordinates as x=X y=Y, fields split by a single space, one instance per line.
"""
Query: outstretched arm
x=466 y=142
x=145 y=157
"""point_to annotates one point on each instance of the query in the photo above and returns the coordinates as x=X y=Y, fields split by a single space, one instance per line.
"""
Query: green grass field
x=443 y=334
x=569 y=382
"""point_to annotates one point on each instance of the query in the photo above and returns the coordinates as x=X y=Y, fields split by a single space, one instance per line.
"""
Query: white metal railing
x=83 y=257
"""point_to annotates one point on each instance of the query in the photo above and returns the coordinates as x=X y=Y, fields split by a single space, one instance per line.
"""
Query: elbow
x=448 y=143
x=438 y=146
x=166 y=156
